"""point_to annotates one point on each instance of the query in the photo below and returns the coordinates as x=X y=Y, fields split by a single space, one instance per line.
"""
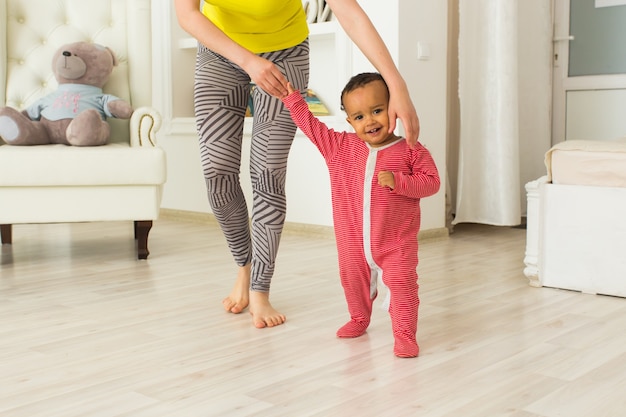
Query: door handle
x=563 y=38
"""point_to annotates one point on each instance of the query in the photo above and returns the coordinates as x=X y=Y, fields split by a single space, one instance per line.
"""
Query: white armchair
x=120 y=181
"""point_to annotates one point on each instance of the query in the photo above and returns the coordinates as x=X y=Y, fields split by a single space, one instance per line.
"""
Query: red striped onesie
x=375 y=227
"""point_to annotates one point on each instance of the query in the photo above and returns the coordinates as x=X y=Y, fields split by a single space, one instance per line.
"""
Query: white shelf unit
x=330 y=69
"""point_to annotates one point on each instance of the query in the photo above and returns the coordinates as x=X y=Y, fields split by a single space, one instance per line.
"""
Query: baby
x=377 y=182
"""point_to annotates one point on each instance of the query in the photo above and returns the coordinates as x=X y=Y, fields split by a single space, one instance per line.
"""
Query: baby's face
x=366 y=108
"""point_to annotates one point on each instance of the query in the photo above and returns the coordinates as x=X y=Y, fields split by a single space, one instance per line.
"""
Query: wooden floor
x=86 y=330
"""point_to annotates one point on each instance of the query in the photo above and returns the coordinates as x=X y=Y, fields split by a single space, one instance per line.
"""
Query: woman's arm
x=262 y=72
x=360 y=29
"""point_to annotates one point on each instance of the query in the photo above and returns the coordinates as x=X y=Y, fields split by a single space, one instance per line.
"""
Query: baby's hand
x=289 y=89
x=386 y=179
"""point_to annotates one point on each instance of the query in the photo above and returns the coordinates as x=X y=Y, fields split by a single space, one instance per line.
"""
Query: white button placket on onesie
x=376 y=270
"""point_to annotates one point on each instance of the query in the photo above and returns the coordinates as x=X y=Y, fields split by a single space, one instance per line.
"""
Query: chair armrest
x=533 y=230
x=144 y=123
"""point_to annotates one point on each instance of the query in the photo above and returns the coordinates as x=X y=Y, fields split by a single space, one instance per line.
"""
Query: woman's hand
x=262 y=72
x=401 y=107
x=266 y=76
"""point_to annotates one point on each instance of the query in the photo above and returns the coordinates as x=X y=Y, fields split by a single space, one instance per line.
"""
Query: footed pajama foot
x=405 y=347
x=353 y=328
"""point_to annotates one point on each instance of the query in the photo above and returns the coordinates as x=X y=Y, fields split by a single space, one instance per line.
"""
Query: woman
x=263 y=42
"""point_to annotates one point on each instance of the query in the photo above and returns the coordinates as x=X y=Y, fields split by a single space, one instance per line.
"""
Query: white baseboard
x=290 y=227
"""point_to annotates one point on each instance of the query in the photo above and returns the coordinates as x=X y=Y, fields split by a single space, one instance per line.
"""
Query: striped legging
x=221 y=94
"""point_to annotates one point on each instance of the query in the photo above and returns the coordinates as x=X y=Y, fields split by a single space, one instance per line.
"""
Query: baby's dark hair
x=361 y=80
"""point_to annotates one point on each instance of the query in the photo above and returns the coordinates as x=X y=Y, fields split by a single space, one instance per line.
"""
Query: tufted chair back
x=31 y=31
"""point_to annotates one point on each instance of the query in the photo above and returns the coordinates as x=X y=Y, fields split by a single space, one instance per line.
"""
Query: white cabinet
x=331 y=67
x=308 y=188
x=333 y=61
x=330 y=62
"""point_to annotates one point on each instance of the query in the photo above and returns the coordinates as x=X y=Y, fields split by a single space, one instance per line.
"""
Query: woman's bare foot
x=263 y=314
x=239 y=297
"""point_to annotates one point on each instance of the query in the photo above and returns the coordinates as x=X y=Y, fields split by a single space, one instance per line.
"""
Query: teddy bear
x=76 y=112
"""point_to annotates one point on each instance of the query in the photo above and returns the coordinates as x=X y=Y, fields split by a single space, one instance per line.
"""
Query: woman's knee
x=270 y=181
x=222 y=189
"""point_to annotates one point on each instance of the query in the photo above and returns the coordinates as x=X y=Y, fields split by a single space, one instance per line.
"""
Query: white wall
x=426 y=21
x=401 y=23
x=535 y=89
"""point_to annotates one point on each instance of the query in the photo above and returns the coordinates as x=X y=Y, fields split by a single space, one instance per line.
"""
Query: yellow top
x=259 y=25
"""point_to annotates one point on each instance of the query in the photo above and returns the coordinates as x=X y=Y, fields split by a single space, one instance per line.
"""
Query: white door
x=589 y=63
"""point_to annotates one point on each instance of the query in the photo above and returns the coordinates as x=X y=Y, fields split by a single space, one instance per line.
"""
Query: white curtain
x=488 y=187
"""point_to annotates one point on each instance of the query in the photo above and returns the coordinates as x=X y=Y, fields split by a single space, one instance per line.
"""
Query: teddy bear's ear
x=115 y=61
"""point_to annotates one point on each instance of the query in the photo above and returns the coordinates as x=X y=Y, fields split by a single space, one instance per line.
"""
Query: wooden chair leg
x=6 y=235
x=142 y=229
